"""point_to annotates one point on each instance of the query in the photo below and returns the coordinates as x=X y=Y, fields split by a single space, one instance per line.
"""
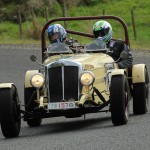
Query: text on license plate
x=61 y=105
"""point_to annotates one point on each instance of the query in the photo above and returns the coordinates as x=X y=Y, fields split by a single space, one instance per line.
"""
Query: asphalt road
x=96 y=132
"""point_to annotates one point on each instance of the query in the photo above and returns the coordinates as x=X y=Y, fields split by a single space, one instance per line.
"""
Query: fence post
x=20 y=21
x=46 y=14
x=133 y=23
x=65 y=13
x=103 y=12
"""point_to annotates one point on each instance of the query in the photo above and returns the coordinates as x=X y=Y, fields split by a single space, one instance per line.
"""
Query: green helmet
x=102 y=30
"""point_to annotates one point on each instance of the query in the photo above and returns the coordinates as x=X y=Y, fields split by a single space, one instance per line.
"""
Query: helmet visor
x=101 y=32
x=54 y=37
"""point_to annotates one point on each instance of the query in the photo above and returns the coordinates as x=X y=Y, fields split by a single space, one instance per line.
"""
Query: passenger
x=102 y=30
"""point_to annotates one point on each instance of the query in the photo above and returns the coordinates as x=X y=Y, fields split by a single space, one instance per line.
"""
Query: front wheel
x=10 y=116
x=119 y=100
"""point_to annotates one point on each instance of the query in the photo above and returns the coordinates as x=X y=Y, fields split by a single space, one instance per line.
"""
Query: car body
x=72 y=84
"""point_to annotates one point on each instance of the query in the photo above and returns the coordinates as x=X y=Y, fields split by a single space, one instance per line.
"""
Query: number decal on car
x=61 y=105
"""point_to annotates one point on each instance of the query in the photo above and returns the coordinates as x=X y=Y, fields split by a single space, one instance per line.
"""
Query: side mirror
x=124 y=55
x=33 y=58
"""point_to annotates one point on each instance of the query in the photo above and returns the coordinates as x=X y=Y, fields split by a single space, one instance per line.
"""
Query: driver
x=57 y=33
x=102 y=31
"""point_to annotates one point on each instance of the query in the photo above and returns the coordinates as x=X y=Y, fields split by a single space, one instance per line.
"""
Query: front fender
x=138 y=73
x=28 y=76
x=117 y=72
x=6 y=85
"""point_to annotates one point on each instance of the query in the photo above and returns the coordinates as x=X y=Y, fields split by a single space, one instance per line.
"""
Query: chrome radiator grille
x=63 y=83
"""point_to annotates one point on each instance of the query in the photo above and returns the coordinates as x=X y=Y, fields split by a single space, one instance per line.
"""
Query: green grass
x=9 y=33
x=122 y=9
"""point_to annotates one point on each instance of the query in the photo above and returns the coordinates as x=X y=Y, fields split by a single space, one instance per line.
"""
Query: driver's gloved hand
x=72 y=42
x=69 y=42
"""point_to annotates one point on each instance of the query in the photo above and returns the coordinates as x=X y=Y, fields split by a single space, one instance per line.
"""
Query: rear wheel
x=29 y=97
x=10 y=116
x=34 y=122
x=140 y=96
x=119 y=100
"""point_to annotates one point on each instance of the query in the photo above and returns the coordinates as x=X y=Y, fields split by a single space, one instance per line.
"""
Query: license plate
x=61 y=105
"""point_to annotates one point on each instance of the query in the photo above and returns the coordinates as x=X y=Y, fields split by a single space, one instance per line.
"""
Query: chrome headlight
x=37 y=80
x=87 y=78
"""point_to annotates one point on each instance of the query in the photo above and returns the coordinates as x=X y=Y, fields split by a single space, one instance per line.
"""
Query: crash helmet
x=56 y=33
x=102 y=30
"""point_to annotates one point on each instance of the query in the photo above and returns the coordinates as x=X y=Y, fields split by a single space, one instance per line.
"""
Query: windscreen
x=96 y=46
x=58 y=48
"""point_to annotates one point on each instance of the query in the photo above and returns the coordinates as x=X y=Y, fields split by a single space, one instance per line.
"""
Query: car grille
x=63 y=83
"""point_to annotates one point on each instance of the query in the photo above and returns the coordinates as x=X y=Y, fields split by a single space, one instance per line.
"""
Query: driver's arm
x=126 y=63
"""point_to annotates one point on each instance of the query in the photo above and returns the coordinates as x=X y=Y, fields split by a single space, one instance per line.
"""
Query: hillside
x=9 y=32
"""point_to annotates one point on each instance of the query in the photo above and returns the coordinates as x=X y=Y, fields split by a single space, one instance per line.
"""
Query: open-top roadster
x=73 y=84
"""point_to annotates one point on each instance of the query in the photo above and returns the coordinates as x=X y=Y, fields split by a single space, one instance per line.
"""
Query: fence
x=133 y=20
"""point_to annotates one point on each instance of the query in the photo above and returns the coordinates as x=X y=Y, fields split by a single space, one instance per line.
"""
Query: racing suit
x=117 y=46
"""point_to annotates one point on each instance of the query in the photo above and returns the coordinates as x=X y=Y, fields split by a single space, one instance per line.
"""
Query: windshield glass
x=62 y=48
x=58 y=48
x=96 y=46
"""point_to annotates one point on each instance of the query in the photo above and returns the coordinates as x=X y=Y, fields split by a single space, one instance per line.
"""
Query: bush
x=35 y=31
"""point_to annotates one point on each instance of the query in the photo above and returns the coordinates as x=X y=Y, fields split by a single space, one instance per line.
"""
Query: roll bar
x=43 y=40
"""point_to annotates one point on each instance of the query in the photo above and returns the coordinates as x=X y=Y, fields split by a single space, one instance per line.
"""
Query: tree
x=65 y=4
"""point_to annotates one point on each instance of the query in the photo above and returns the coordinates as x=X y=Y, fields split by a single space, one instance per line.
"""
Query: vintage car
x=72 y=84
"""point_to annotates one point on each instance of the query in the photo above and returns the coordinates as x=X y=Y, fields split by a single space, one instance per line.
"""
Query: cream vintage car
x=72 y=84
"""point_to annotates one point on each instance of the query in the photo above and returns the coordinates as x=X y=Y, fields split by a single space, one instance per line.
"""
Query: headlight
x=37 y=80
x=87 y=78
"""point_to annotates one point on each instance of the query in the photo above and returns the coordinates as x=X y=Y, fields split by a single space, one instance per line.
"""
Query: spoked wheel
x=30 y=96
x=10 y=112
x=119 y=100
x=140 y=96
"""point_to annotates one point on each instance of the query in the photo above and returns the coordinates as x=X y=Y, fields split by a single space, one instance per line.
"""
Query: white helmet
x=102 y=30
x=56 y=33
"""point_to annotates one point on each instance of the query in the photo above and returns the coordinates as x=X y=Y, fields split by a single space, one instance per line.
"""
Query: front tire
x=119 y=100
x=140 y=96
x=10 y=116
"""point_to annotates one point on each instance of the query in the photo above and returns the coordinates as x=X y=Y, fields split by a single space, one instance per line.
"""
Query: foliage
x=36 y=29
x=119 y=8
